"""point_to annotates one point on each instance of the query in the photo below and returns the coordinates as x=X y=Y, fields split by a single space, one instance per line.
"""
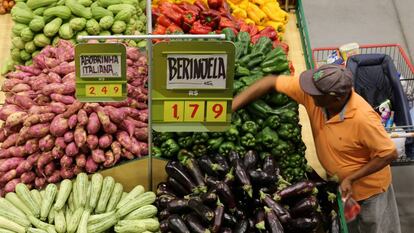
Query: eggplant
x=226 y=195
x=194 y=223
x=233 y=155
x=176 y=171
x=241 y=175
x=273 y=222
x=304 y=224
x=242 y=227
x=334 y=225
x=208 y=167
x=163 y=200
x=250 y=160
x=164 y=226
x=304 y=207
x=260 y=217
x=229 y=220
x=262 y=178
x=210 y=197
x=269 y=165
x=194 y=170
x=218 y=218
x=177 y=224
x=202 y=210
x=163 y=188
x=211 y=181
x=229 y=177
x=226 y=230
x=281 y=212
x=177 y=205
x=164 y=214
x=222 y=161
x=179 y=189
x=298 y=189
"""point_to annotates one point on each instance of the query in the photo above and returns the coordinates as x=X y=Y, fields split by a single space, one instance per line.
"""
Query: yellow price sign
x=173 y=111
x=216 y=111
x=104 y=90
x=194 y=111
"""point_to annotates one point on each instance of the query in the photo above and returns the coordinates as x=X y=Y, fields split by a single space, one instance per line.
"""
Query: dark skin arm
x=374 y=165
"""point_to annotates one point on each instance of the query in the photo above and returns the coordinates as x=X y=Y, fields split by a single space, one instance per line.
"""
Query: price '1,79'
x=102 y=90
x=195 y=111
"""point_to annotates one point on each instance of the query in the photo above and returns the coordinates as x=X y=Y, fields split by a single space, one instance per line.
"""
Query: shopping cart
x=405 y=70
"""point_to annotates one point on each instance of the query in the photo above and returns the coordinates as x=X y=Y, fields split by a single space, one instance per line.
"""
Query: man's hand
x=346 y=188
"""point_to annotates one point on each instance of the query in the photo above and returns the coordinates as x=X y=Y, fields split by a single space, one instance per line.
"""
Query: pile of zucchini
x=240 y=193
x=81 y=206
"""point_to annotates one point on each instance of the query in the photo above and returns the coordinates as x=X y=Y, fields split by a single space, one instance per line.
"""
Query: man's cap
x=327 y=80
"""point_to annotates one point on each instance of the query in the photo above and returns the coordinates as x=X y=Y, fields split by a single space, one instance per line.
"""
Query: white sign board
x=100 y=66
x=186 y=71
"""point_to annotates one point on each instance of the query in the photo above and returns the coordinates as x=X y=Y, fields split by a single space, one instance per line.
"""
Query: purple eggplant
x=229 y=177
x=242 y=226
x=211 y=181
x=274 y=225
x=195 y=225
x=298 y=189
x=208 y=167
x=164 y=214
x=202 y=210
x=304 y=207
x=303 y=224
x=269 y=165
x=177 y=205
x=195 y=172
x=218 y=218
x=233 y=155
x=262 y=178
x=220 y=160
x=210 y=197
x=229 y=220
x=164 y=226
x=281 y=212
x=163 y=188
x=175 y=170
x=226 y=195
x=179 y=189
x=177 y=224
x=260 y=217
x=250 y=160
x=163 y=200
x=241 y=175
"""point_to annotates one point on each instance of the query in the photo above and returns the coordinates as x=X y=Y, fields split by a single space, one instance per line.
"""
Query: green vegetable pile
x=82 y=205
x=269 y=125
x=39 y=23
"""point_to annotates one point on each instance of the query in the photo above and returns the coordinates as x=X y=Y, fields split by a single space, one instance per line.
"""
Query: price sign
x=216 y=111
x=192 y=86
x=100 y=72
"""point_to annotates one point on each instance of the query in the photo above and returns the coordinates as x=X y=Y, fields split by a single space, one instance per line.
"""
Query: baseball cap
x=328 y=79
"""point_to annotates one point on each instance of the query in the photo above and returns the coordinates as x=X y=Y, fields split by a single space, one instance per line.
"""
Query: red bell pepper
x=255 y=38
x=225 y=11
x=188 y=20
x=210 y=18
x=226 y=22
x=199 y=28
x=188 y=7
x=172 y=29
x=283 y=45
x=253 y=30
x=215 y=4
x=155 y=13
x=269 y=32
x=173 y=15
x=159 y=30
x=164 y=21
x=201 y=5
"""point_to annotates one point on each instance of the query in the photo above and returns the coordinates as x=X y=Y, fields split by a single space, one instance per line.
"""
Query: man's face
x=326 y=101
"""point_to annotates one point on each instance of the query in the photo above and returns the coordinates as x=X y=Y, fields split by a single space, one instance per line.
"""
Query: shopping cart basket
x=405 y=70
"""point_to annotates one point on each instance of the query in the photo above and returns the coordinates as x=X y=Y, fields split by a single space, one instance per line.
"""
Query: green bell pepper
x=230 y=36
x=164 y=136
x=260 y=122
x=250 y=127
x=232 y=134
x=226 y=147
x=275 y=61
x=242 y=71
x=286 y=131
x=156 y=152
x=289 y=116
x=276 y=68
x=239 y=52
x=263 y=45
x=244 y=115
x=249 y=57
x=183 y=155
x=240 y=149
x=200 y=137
x=243 y=37
x=248 y=140
x=278 y=99
x=255 y=61
x=237 y=86
x=185 y=142
x=236 y=119
x=268 y=138
x=272 y=122
x=249 y=80
x=214 y=143
x=216 y=134
x=199 y=150
x=169 y=148
x=278 y=51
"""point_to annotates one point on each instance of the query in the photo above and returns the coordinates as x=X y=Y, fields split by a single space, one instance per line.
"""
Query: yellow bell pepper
x=249 y=21
x=260 y=27
x=274 y=12
x=244 y=4
x=256 y=14
x=239 y=13
x=278 y=26
x=235 y=1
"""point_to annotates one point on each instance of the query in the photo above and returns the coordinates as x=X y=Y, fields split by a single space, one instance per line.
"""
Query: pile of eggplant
x=240 y=193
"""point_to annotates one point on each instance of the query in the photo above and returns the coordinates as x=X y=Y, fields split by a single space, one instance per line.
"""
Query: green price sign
x=192 y=86
x=100 y=72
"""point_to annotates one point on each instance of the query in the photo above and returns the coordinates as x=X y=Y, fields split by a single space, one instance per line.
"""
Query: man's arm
x=374 y=165
x=253 y=92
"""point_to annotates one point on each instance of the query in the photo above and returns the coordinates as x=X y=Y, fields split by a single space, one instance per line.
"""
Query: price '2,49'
x=100 y=90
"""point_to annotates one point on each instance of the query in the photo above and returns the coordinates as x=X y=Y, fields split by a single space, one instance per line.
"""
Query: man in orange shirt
x=350 y=140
